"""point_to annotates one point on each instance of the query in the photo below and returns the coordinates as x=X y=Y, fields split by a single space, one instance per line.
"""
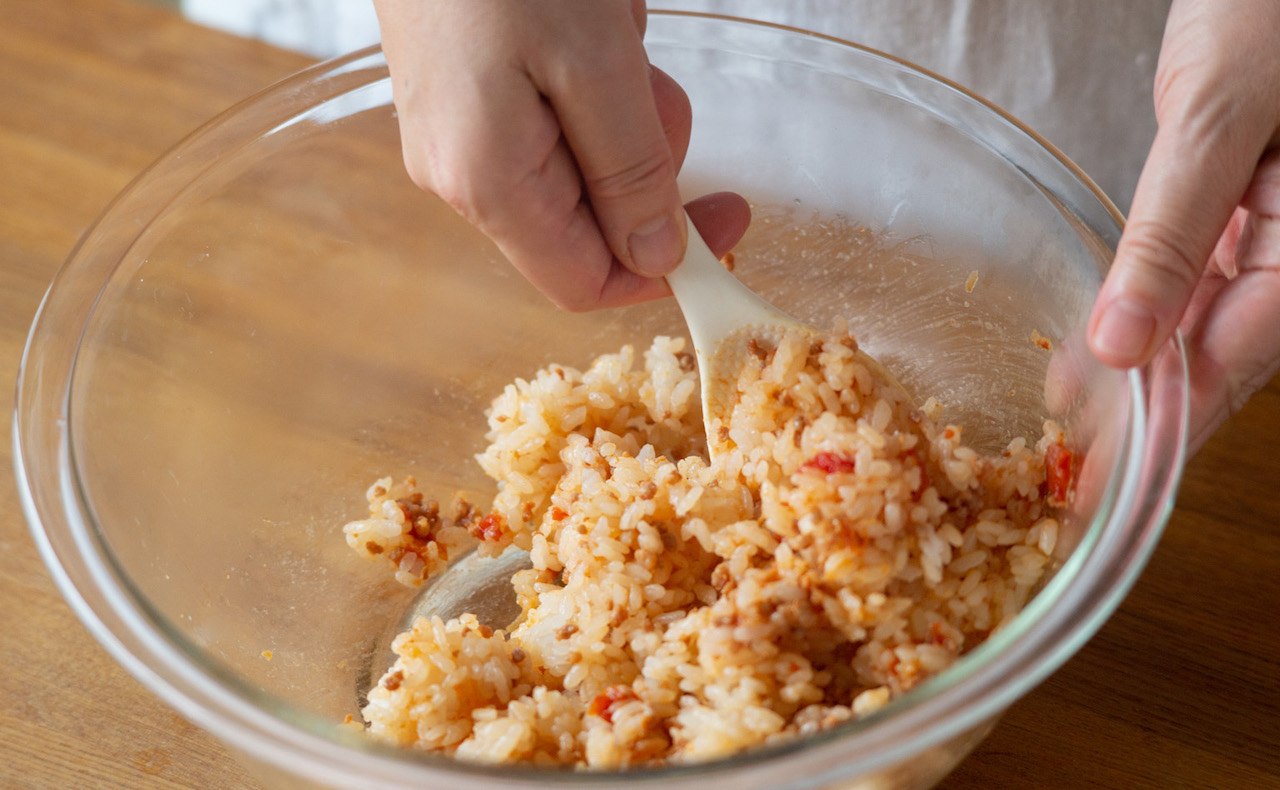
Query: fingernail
x=656 y=247
x=1244 y=248
x=1124 y=330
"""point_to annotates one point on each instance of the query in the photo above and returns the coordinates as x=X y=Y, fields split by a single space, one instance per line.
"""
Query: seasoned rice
x=841 y=548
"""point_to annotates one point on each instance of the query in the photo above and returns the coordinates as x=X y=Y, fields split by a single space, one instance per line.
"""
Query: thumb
x=1183 y=201
x=613 y=124
x=1214 y=125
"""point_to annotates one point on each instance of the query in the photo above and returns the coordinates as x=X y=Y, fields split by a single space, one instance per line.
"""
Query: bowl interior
x=285 y=318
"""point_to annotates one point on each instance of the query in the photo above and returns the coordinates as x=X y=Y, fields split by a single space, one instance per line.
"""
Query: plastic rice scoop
x=723 y=317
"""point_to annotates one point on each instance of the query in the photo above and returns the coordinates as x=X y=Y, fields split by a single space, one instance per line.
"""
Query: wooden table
x=1181 y=688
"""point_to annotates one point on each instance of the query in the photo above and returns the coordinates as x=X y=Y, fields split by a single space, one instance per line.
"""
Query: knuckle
x=644 y=174
x=609 y=47
x=1204 y=109
x=505 y=195
x=574 y=289
x=548 y=205
x=1263 y=195
x=424 y=178
x=417 y=160
x=576 y=301
x=431 y=171
x=1163 y=252
x=471 y=195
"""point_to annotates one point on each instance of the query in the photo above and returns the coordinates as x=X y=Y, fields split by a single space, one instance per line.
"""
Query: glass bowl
x=272 y=317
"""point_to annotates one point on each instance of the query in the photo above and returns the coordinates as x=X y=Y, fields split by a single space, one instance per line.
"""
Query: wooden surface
x=1180 y=689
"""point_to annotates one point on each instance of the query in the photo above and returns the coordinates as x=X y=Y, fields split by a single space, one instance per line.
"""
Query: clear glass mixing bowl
x=272 y=316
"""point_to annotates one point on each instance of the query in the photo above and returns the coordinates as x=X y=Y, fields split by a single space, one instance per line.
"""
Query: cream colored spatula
x=722 y=315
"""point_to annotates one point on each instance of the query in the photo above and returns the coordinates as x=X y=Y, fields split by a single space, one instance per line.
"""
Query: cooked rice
x=841 y=549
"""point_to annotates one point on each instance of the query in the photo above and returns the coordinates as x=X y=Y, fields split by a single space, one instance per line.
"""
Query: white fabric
x=1079 y=72
x=322 y=28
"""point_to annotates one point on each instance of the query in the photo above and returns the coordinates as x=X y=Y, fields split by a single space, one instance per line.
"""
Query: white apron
x=1079 y=72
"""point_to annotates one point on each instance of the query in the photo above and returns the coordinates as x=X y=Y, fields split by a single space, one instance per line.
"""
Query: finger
x=587 y=276
x=1067 y=375
x=721 y=219
x=1261 y=201
x=639 y=15
x=1224 y=259
x=535 y=211
x=549 y=233
x=610 y=118
x=1236 y=349
x=1214 y=125
x=674 y=113
x=500 y=161
x=1185 y=196
x=1233 y=325
x=725 y=216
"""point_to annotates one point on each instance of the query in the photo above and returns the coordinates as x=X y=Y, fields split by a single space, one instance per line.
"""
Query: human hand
x=1201 y=251
x=544 y=125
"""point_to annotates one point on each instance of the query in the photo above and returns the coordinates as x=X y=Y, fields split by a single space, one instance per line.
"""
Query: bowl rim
x=250 y=720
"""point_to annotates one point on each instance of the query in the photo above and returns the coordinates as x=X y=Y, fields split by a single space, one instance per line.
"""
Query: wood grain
x=91 y=92
x=1180 y=689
